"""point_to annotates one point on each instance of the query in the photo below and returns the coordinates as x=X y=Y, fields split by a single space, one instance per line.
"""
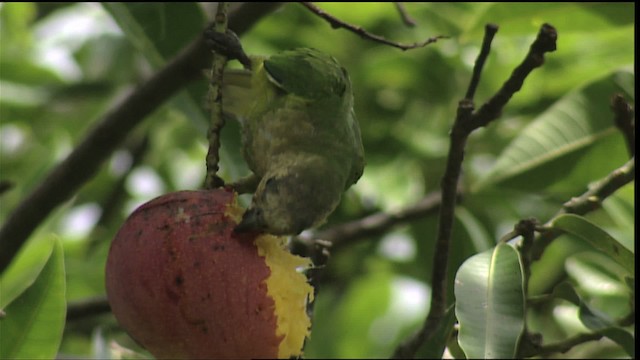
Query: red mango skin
x=184 y=285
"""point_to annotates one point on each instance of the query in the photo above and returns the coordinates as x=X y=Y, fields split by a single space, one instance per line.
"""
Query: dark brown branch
x=404 y=15
x=466 y=121
x=85 y=160
x=443 y=240
x=336 y=23
x=624 y=121
x=491 y=110
x=375 y=224
x=490 y=31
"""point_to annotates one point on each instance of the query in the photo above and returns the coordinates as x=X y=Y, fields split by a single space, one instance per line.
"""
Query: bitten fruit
x=184 y=285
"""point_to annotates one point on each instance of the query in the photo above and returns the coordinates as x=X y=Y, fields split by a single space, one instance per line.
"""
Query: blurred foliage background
x=63 y=65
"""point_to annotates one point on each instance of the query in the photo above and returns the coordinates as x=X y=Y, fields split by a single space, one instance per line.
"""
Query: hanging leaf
x=596 y=237
x=490 y=303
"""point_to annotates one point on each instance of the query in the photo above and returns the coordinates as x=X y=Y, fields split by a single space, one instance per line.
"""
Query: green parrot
x=300 y=139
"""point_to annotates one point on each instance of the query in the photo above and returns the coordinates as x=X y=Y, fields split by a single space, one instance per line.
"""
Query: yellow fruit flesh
x=290 y=291
x=288 y=288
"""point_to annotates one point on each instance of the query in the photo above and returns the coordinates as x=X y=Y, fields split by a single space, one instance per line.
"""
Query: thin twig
x=86 y=158
x=404 y=15
x=624 y=121
x=212 y=179
x=336 y=23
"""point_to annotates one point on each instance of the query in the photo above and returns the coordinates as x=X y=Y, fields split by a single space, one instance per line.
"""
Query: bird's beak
x=250 y=222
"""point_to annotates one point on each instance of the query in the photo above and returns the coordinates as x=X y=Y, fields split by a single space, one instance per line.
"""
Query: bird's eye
x=271 y=186
x=272 y=76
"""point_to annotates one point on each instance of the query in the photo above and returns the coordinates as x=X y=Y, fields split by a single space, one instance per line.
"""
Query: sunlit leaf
x=490 y=303
x=594 y=319
x=623 y=338
x=596 y=237
x=24 y=269
x=33 y=325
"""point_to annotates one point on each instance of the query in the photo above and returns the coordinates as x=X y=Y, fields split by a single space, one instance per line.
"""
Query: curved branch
x=85 y=160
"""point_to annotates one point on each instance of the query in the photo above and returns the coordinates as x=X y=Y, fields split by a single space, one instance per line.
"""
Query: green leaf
x=24 y=269
x=33 y=325
x=622 y=338
x=566 y=143
x=594 y=319
x=158 y=30
x=596 y=237
x=591 y=317
x=490 y=303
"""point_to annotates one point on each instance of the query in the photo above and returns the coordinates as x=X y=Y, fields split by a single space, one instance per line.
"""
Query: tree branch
x=624 y=121
x=85 y=160
x=374 y=224
x=490 y=31
x=466 y=121
x=336 y=23
x=491 y=110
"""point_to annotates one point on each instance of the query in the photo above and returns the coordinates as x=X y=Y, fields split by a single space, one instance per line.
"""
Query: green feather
x=301 y=138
